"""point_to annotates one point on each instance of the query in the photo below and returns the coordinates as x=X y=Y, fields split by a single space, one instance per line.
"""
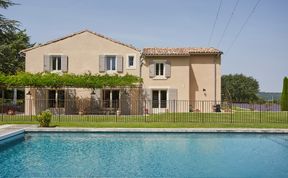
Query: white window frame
x=160 y=77
x=159 y=97
x=106 y=61
x=51 y=62
x=134 y=61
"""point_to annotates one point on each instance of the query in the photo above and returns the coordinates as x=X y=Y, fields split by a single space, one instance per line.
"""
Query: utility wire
x=228 y=23
x=213 y=28
x=242 y=27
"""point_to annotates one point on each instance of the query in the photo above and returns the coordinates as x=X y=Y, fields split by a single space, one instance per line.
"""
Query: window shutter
x=152 y=69
x=102 y=63
x=119 y=63
x=168 y=69
x=64 y=63
x=148 y=101
x=172 y=92
x=47 y=67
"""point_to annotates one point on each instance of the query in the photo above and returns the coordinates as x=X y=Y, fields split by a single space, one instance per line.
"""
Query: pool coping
x=158 y=130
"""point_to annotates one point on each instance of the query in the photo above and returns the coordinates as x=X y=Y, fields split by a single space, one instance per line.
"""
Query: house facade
x=169 y=75
x=181 y=79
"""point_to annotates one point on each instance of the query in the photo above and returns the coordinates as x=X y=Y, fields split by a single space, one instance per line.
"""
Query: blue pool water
x=146 y=155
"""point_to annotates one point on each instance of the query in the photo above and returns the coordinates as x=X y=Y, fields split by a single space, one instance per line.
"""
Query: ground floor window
x=159 y=98
x=56 y=98
x=110 y=98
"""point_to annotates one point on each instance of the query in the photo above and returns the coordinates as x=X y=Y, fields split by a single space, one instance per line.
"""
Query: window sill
x=131 y=68
x=111 y=72
x=160 y=78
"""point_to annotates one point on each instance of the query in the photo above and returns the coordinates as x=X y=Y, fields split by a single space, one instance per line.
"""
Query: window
x=54 y=100
x=131 y=62
x=110 y=98
x=111 y=63
x=159 y=67
x=159 y=99
x=56 y=62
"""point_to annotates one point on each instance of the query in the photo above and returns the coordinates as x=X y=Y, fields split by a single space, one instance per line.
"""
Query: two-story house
x=171 y=76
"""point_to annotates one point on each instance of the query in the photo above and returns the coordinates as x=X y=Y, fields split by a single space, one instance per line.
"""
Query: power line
x=242 y=27
x=228 y=23
x=213 y=28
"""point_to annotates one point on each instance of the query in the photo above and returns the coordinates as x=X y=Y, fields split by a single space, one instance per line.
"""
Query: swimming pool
x=146 y=155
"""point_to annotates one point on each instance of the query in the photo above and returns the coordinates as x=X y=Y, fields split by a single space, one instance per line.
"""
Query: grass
x=237 y=119
x=158 y=125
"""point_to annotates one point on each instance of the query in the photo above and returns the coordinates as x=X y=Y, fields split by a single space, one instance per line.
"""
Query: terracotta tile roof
x=77 y=33
x=179 y=51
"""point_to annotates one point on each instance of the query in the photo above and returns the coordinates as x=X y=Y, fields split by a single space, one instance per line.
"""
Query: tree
x=7 y=24
x=239 y=88
x=284 y=95
x=11 y=43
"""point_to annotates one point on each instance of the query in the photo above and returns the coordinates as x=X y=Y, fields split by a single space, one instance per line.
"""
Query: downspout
x=215 y=81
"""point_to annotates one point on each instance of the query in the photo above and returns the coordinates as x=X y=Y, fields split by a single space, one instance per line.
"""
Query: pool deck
x=9 y=130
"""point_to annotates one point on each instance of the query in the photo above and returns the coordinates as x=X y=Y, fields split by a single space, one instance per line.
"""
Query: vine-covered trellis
x=54 y=80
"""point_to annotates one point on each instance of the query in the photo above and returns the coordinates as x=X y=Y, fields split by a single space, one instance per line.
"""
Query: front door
x=159 y=101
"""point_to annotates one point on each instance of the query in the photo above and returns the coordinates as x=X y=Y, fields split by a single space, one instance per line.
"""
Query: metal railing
x=132 y=110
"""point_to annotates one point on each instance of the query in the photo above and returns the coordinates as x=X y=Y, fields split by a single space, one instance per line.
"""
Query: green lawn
x=237 y=119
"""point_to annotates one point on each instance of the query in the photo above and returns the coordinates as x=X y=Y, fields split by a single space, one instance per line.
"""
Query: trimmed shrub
x=44 y=118
x=284 y=96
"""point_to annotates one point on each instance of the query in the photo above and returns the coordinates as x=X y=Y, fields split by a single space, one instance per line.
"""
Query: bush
x=44 y=118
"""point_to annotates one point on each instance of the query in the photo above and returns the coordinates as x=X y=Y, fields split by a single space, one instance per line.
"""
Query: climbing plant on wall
x=54 y=80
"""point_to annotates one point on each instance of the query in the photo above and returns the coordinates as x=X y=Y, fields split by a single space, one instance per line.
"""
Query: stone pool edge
x=158 y=130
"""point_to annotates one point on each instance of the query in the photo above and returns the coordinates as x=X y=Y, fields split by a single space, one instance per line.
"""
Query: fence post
x=260 y=113
x=174 y=111
x=145 y=109
x=30 y=106
x=2 y=107
x=231 y=112
x=202 y=112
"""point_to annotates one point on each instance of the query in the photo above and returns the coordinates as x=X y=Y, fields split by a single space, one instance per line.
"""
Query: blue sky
x=260 y=51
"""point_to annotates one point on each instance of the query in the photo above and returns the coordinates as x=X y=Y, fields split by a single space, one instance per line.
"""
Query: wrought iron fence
x=132 y=110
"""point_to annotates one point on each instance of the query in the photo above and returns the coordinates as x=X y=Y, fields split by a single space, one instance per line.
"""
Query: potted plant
x=44 y=118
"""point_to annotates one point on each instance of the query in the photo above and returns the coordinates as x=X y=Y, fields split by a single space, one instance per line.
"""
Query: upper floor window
x=111 y=63
x=56 y=62
x=159 y=69
x=131 y=63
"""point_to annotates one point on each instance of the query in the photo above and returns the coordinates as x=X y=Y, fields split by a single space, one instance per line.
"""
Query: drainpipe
x=215 y=81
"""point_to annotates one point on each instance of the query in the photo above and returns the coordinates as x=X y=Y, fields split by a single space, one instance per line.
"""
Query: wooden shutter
x=148 y=100
x=46 y=66
x=173 y=99
x=152 y=69
x=102 y=63
x=168 y=69
x=119 y=63
x=64 y=63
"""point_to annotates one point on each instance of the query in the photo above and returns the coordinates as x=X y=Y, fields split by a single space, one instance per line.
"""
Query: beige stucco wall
x=83 y=52
x=179 y=76
x=189 y=75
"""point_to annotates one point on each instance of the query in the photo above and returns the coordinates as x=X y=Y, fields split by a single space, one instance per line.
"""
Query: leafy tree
x=7 y=24
x=11 y=43
x=239 y=88
x=284 y=96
